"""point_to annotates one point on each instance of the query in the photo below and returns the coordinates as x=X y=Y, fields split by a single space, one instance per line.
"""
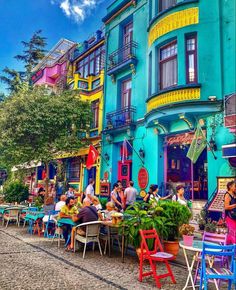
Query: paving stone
x=31 y=262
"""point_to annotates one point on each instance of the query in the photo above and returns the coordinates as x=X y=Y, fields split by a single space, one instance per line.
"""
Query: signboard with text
x=217 y=204
x=143 y=178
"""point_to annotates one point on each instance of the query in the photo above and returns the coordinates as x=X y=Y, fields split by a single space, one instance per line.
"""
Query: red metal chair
x=155 y=255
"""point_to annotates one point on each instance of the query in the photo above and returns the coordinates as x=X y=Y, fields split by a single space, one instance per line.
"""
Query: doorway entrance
x=180 y=170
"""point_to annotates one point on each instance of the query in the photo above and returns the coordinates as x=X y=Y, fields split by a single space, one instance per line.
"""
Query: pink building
x=52 y=70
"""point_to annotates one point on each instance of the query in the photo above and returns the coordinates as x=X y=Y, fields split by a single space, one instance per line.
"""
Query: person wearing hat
x=153 y=194
x=179 y=196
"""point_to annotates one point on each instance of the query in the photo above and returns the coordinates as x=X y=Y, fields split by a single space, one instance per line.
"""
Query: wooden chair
x=154 y=256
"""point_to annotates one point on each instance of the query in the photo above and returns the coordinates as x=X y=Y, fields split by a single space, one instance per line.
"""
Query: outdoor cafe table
x=197 y=248
x=66 y=221
x=34 y=217
x=110 y=225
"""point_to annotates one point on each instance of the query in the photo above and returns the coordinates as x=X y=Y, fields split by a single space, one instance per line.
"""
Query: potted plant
x=211 y=226
x=201 y=219
x=187 y=232
x=174 y=215
x=140 y=216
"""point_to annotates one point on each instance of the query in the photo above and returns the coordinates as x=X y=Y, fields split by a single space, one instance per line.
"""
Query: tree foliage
x=33 y=52
x=37 y=126
x=15 y=191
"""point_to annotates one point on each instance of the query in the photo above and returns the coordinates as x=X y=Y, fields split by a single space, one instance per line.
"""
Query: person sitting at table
x=110 y=210
x=179 y=196
x=67 y=211
x=97 y=203
x=88 y=213
x=70 y=192
x=60 y=203
x=41 y=194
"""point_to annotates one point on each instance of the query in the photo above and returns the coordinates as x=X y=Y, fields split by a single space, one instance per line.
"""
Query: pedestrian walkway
x=29 y=262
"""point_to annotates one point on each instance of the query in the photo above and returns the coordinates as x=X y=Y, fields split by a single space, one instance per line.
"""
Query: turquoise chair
x=210 y=272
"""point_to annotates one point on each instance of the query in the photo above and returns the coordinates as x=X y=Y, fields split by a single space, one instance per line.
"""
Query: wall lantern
x=106 y=156
x=212 y=144
x=141 y=153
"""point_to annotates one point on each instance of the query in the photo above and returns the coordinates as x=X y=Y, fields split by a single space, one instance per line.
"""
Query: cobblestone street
x=29 y=262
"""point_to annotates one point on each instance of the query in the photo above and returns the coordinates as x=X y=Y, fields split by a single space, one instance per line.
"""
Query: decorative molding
x=173 y=97
x=133 y=70
x=172 y=22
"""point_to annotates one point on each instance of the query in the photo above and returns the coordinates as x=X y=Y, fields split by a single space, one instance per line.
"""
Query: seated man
x=67 y=211
x=60 y=203
x=88 y=213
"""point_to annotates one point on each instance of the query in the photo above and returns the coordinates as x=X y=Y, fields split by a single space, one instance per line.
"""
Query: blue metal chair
x=50 y=222
x=209 y=272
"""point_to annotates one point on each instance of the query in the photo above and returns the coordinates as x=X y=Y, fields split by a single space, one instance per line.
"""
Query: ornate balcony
x=120 y=120
x=123 y=58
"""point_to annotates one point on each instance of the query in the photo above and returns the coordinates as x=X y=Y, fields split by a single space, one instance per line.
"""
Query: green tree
x=15 y=191
x=33 y=52
x=13 y=79
x=2 y=97
x=37 y=126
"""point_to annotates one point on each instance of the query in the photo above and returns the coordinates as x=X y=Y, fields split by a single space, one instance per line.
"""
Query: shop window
x=165 y=4
x=74 y=169
x=95 y=114
x=191 y=58
x=168 y=65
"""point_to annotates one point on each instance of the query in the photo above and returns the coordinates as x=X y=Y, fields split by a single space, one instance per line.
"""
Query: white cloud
x=78 y=10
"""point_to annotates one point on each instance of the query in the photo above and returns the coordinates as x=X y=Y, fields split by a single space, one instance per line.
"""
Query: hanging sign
x=143 y=178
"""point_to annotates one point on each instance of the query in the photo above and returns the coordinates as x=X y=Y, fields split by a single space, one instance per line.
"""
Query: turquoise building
x=170 y=68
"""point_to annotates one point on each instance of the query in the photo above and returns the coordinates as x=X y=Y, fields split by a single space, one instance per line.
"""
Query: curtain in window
x=169 y=73
x=165 y=4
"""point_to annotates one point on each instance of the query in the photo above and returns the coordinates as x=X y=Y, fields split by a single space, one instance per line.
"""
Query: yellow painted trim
x=82 y=151
x=172 y=22
x=173 y=97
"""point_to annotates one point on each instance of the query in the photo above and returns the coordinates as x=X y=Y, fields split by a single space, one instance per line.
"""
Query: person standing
x=121 y=192
x=115 y=197
x=70 y=192
x=230 y=211
x=130 y=194
x=89 y=192
x=153 y=194
x=179 y=197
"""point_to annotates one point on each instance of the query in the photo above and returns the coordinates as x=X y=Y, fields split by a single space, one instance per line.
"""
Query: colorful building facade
x=52 y=71
x=86 y=74
x=170 y=66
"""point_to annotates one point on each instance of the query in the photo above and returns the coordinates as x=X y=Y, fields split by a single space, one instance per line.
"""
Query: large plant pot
x=171 y=247
x=188 y=240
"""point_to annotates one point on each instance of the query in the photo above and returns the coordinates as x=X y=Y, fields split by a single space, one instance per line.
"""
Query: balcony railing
x=122 y=55
x=120 y=118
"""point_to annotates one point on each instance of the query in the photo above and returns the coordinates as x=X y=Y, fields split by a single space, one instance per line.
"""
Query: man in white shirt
x=89 y=192
x=60 y=203
x=130 y=194
x=70 y=192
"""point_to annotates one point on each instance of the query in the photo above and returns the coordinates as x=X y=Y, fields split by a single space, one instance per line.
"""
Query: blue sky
x=75 y=20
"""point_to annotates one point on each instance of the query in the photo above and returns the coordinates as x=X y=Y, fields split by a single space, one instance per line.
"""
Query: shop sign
x=106 y=175
x=143 y=178
x=142 y=193
x=217 y=203
x=182 y=139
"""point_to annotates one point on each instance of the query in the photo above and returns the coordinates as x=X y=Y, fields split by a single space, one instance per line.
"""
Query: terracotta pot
x=171 y=247
x=188 y=240
x=138 y=252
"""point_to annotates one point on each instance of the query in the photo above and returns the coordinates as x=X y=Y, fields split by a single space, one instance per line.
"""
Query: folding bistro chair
x=91 y=235
x=11 y=214
x=154 y=256
x=208 y=271
x=219 y=239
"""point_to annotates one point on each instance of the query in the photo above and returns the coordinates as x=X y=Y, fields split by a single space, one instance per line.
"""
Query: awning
x=26 y=165
x=229 y=151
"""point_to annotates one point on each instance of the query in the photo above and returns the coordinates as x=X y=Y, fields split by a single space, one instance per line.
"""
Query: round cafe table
x=197 y=248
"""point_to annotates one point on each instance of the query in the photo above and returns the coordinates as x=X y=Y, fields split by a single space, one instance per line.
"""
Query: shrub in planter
x=15 y=191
